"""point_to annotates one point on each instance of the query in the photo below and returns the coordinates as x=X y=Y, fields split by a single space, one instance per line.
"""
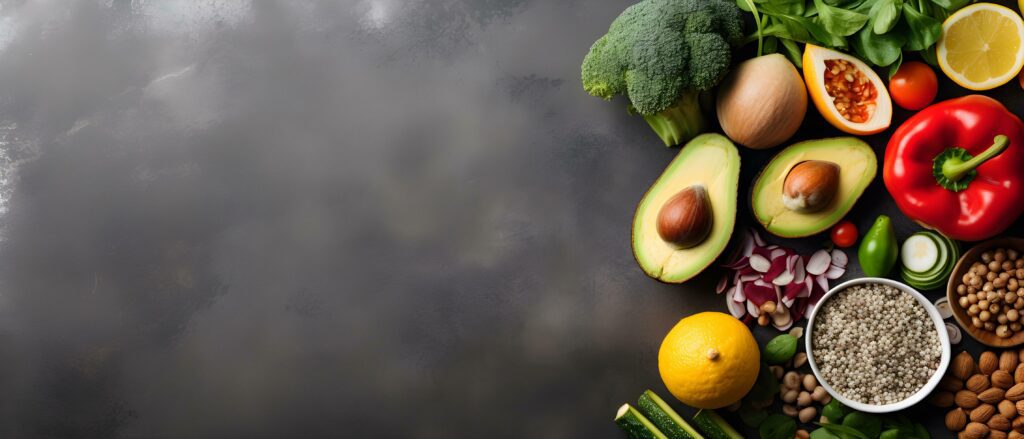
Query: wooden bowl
x=962 y=266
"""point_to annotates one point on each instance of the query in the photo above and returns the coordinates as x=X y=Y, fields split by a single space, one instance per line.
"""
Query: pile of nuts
x=988 y=396
x=992 y=292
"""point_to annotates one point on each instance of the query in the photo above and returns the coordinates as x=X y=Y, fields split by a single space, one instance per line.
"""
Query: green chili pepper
x=878 y=249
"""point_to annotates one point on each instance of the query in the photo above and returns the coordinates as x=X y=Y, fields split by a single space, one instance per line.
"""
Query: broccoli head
x=661 y=54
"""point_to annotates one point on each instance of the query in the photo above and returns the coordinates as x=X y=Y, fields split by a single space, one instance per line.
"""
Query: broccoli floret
x=662 y=54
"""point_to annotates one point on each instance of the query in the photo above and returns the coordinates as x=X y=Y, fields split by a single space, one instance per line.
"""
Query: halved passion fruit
x=846 y=91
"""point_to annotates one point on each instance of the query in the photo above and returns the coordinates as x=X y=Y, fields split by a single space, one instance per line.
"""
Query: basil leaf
x=792 y=51
x=777 y=427
x=833 y=411
x=884 y=15
x=791 y=7
x=840 y=21
x=868 y=424
x=780 y=349
x=880 y=50
x=924 y=30
x=944 y=4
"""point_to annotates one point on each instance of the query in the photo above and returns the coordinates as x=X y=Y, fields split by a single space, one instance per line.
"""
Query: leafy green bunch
x=877 y=31
x=844 y=423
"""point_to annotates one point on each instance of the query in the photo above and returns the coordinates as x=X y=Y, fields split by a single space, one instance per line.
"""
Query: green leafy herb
x=780 y=349
x=844 y=431
x=822 y=433
x=834 y=411
x=868 y=424
x=839 y=21
x=777 y=426
x=884 y=15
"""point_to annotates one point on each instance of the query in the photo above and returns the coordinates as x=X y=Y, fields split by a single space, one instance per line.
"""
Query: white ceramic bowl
x=940 y=327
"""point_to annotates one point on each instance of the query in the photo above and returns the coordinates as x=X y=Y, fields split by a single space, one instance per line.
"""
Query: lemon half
x=982 y=46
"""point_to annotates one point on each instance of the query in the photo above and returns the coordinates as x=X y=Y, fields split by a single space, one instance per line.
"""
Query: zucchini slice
x=665 y=418
x=636 y=425
x=714 y=427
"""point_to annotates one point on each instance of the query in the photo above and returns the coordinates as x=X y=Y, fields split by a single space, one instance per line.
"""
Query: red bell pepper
x=958 y=167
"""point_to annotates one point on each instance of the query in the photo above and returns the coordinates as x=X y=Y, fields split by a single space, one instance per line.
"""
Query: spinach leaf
x=944 y=4
x=823 y=433
x=880 y=50
x=868 y=424
x=791 y=7
x=796 y=27
x=895 y=67
x=884 y=15
x=833 y=411
x=823 y=36
x=842 y=430
x=924 y=30
x=792 y=51
x=893 y=433
x=777 y=427
x=839 y=21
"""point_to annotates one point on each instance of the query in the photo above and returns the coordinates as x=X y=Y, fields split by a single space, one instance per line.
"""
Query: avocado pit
x=685 y=219
x=810 y=186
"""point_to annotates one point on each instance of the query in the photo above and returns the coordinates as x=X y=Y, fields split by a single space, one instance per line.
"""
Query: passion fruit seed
x=852 y=93
x=685 y=219
x=810 y=186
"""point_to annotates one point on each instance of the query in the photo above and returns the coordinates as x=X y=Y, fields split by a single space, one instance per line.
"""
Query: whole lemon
x=709 y=360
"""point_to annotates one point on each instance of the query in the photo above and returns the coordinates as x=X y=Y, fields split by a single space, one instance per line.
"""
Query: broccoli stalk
x=661 y=54
x=680 y=122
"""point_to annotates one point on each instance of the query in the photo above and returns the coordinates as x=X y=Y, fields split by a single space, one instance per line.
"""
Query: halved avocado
x=711 y=161
x=857 y=167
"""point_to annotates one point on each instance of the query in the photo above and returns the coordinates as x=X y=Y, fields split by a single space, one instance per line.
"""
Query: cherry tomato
x=914 y=85
x=844 y=234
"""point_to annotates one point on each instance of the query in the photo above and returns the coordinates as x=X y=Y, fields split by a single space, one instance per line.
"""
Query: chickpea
x=983 y=304
x=962 y=289
x=967 y=278
x=1004 y=275
x=964 y=302
x=985 y=315
x=987 y=287
x=1012 y=315
x=1001 y=318
x=1016 y=326
x=986 y=257
x=1011 y=284
x=973 y=310
x=1000 y=255
x=979 y=268
x=1019 y=304
x=999 y=282
x=993 y=296
x=993 y=308
x=991 y=276
x=1003 y=331
x=993 y=266
x=1019 y=274
x=1006 y=266
x=1009 y=298
x=976 y=322
x=971 y=290
x=1012 y=254
x=976 y=282
x=1019 y=263
x=990 y=326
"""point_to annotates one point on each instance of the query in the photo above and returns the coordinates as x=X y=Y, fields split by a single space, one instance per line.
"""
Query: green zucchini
x=665 y=418
x=714 y=427
x=636 y=425
x=928 y=260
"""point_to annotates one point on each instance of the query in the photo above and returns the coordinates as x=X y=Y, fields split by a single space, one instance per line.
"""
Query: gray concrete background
x=363 y=218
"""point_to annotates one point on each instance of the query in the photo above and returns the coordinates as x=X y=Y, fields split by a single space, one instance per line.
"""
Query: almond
x=956 y=419
x=996 y=434
x=975 y=430
x=977 y=383
x=992 y=395
x=965 y=399
x=1007 y=409
x=1020 y=408
x=982 y=413
x=1001 y=379
x=963 y=366
x=998 y=422
x=1018 y=375
x=1020 y=355
x=1018 y=424
x=1015 y=393
x=951 y=383
x=1008 y=361
x=1014 y=435
x=988 y=362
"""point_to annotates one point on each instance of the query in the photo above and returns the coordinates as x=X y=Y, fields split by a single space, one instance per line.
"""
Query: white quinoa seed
x=875 y=344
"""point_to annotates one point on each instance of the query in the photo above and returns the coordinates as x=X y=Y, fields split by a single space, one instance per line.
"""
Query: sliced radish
x=735 y=308
x=753 y=310
x=722 y=284
x=777 y=253
x=839 y=258
x=818 y=262
x=760 y=263
x=783 y=279
x=834 y=272
x=739 y=295
x=798 y=268
x=757 y=238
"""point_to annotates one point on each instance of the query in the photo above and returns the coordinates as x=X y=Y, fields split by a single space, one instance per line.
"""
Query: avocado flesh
x=710 y=160
x=858 y=166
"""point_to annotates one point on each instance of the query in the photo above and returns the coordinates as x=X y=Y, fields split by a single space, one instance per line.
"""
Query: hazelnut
x=685 y=219
x=810 y=186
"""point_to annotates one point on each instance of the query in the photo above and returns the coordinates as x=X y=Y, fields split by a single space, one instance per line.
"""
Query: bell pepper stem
x=955 y=169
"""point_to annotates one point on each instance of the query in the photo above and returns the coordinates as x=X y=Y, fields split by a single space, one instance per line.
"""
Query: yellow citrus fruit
x=982 y=46
x=709 y=360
